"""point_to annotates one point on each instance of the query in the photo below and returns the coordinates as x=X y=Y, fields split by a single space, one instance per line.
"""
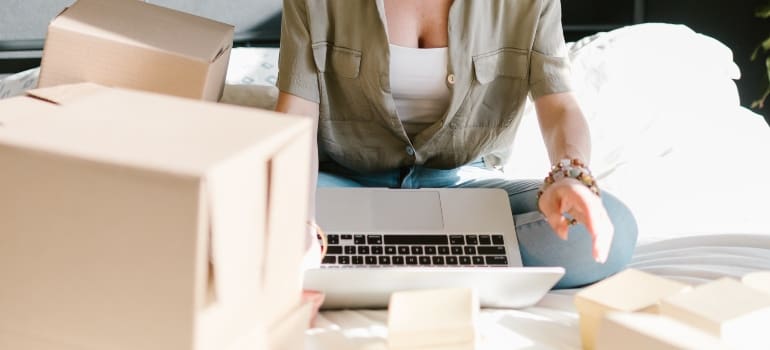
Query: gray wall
x=28 y=19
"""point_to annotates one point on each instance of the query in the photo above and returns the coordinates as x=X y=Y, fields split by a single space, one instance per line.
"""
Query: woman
x=411 y=94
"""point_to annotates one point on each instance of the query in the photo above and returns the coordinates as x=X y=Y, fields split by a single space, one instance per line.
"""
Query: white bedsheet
x=553 y=323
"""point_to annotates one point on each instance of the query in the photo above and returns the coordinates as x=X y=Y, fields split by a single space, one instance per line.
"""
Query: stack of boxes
x=636 y=310
x=135 y=220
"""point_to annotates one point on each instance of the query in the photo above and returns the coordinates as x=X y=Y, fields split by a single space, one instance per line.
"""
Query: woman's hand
x=570 y=196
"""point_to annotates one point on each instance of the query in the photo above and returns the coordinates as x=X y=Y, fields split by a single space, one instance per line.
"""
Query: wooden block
x=440 y=318
x=725 y=308
x=641 y=331
x=630 y=291
x=758 y=280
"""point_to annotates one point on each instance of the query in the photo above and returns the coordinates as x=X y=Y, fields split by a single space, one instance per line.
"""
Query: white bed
x=670 y=139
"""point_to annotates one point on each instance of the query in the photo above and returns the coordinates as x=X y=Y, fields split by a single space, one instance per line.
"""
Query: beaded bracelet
x=570 y=168
x=321 y=236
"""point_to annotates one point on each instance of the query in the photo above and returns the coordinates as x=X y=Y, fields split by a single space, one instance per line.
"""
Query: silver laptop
x=386 y=240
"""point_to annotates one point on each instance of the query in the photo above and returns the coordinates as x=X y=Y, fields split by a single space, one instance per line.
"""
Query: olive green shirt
x=336 y=53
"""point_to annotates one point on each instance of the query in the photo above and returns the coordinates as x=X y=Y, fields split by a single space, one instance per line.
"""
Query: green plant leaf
x=763 y=12
x=755 y=53
x=760 y=103
x=766 y=44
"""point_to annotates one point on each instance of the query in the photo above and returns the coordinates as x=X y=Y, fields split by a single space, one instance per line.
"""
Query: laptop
x=385 y=240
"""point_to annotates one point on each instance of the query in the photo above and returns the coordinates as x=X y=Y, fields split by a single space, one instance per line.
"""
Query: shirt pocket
x=499 y=88
x=343 y=91
x=339 y=60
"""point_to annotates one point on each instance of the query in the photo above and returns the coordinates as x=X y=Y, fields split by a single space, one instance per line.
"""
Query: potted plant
x=763 y=12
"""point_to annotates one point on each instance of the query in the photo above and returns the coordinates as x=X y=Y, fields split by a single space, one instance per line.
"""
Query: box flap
x=63 y=94
x=146 y=25
x=148 y=130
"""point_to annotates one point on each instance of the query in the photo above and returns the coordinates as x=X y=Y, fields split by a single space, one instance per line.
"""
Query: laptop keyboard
x=454 y=250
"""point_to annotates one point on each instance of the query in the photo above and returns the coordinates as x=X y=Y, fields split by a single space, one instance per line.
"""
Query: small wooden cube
x=758 y=280
x=630 y=291
x=641 y=331
x=442 y=318
x=739 y=315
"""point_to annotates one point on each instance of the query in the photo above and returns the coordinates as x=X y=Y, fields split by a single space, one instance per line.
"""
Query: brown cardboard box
x=738 y=314
x=288 y=333
x=643 y=331
x=628 y=291
x=130 y=220
x=136 y=45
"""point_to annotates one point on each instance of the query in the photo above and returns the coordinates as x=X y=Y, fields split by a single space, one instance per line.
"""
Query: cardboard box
x=289 y=332
x=629 y=291
x=131 y=220
x=739 y=315
x=136 y=45
x=433 y=318
x=640 y=331
x=758 y=280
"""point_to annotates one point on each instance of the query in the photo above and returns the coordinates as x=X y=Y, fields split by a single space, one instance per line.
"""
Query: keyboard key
x=424 y=260
x=374 y=239
x=411 y=260
x=416 y=239
x=485 y=240
x=363 y=250
x=403 y=250
x=493 y=250
x=359 y=239
x=390 y=250
x=333 y=239
x=334 y=249
x=346 y=237
x=371 y=260
x=377 y=249
x=451 y=260
x=344 y=260
x=478 y=260
x=350 y=249
x=457 y=250
x=329 y=259
x=358 y=260
x=430 y=250
x=384 y=260
x=465 y=260
x=398 y=260
x=497 y=240
x=472 y=239
x=497 y=260
x=470 y=250
x=416 y=250
x=456 y=240
x=438 y=260
x=443 y=250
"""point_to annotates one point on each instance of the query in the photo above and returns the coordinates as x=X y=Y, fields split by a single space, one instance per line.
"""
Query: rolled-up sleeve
x=297 y=73
x=549 y=64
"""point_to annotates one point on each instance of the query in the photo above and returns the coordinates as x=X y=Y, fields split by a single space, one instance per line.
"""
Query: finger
x=600 y=227
x=559 y=225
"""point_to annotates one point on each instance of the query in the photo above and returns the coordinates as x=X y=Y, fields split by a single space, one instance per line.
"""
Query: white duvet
x=669 y=138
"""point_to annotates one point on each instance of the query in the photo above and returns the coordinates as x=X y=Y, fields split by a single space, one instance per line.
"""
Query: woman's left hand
x=570 y=196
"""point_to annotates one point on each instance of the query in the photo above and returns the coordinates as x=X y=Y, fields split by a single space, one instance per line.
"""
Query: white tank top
x=418 y=85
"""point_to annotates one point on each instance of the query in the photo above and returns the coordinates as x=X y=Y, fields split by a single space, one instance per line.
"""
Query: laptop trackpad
x=407 y=210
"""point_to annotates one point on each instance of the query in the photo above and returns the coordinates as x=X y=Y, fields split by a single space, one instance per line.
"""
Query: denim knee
x=540 y=246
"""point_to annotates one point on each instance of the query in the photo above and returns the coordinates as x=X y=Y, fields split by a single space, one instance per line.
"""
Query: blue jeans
x=538 y=244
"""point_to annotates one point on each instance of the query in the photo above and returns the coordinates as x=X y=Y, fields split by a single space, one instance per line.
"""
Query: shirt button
x=450 y=79
x=410 y=150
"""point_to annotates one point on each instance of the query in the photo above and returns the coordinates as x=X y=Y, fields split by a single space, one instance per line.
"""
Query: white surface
x=432 y=317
